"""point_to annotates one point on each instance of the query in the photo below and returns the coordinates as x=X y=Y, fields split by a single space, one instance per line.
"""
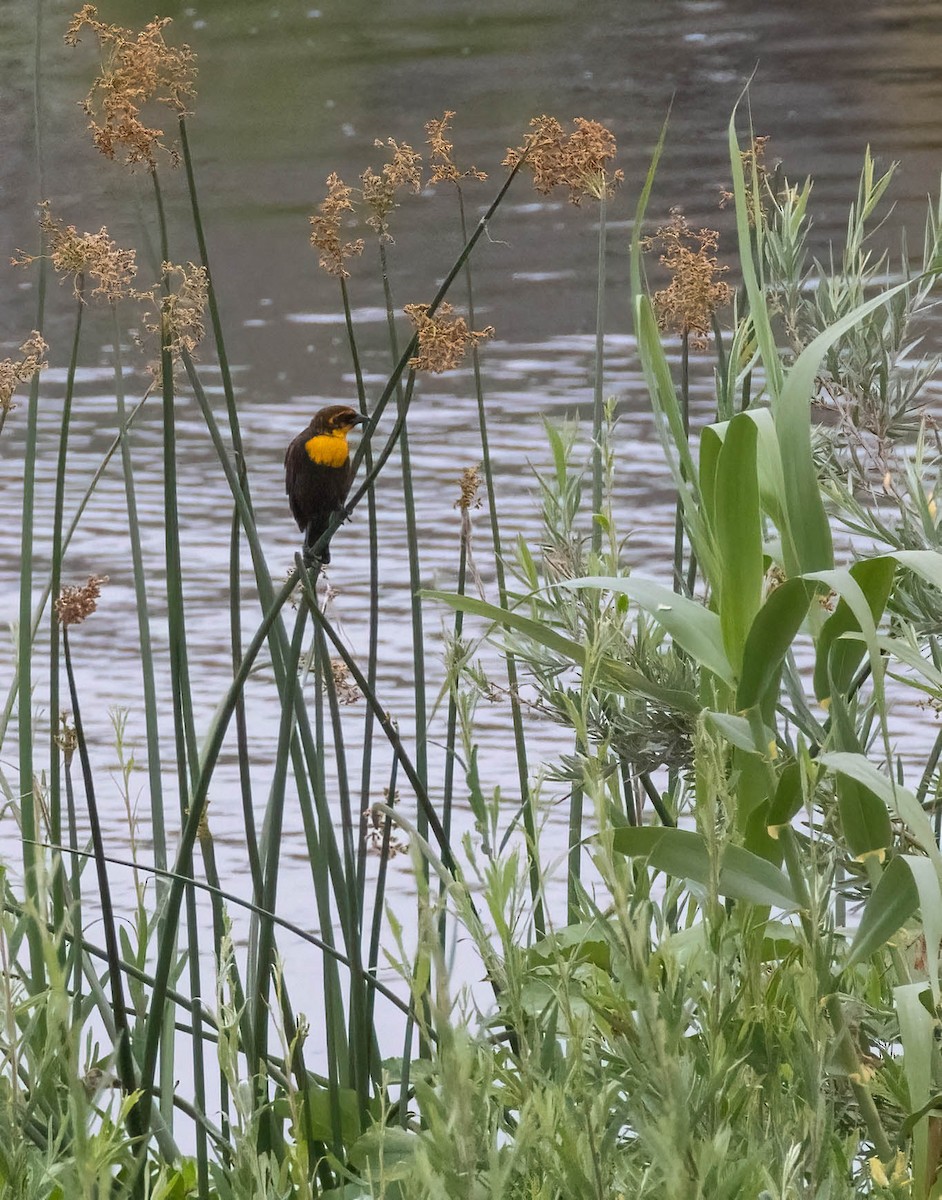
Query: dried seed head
x=577 y=160
x=443 y=339
x=85 y=256
x=13 y=371
x=76 y=603
x=687 y=304
x=139 y=69
x=441 y=154
x=345 y=689
x=177 y=316
x=469 y=483
x=402 y=172
x=757 y=177
x=66 y=738
x=325 y=228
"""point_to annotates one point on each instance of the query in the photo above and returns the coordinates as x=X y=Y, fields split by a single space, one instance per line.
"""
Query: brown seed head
x=757 y=177
x=443 y=339
x=76 y=603
x=402 y=172
x=325 y=228
x=687 y=304
x=14 y=371
x=138 y=69
x=441 y=154
x=345 y=689
x=177 y=315
x=469 y=483
x=577 y=160
x=85 y=256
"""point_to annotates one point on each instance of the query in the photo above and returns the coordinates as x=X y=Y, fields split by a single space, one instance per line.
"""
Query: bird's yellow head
x=328 y=444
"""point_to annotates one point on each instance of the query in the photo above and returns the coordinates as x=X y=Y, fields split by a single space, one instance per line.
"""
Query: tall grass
x=697 y=1019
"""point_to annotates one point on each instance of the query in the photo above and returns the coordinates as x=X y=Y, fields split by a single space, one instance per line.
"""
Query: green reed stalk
x=679 y=583
x=366 y=765
x=520 y=744
x=35 y=616
x=409 y=352
x=259 y=979
x=55 y=799
x=184 y=729
x=123 y=1056
x=361 y=1035
x=598 y=399
x=412 y=546
x=155 y=784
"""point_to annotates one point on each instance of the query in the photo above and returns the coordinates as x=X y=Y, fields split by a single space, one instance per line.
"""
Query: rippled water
x=289 y=93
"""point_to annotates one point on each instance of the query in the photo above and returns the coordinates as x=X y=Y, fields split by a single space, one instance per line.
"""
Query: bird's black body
x=318 y=472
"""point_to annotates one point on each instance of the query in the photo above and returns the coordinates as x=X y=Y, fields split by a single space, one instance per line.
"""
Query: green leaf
x=740 y=732
x=773 y=631
x=683 y=853
x=788 y=797
x=842 y=657
x=899 y=800
x=892 y=902
x=864 y=818
x=693 y=627
x=738 y=529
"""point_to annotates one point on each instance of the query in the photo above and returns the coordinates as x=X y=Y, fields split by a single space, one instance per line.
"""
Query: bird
x=318 y=472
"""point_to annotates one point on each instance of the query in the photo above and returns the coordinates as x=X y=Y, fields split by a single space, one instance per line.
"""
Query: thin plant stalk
x=520 y=745
x=123 y=1057
x=154 y=781
x=55 y=803
x=598 y=399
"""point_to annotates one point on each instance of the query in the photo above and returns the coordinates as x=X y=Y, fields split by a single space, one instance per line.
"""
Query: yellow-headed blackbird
x=318 y=472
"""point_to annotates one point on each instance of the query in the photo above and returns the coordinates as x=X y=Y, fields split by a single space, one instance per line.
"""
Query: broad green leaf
x=773 y=631
x=925 y=563
x=385 y=1152
x=892 y=902
x=927 y=882
x=711 y=443
x=917 y=1029
x=842 y=657
x=584 y=941
x=738 y=530
x=865 y=820
x=788 y=798
x=739 y=732
x=898 y=799
x=693 y=627
x=684 y=854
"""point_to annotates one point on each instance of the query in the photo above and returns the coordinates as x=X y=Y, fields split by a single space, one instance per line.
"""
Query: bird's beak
x=359 y=419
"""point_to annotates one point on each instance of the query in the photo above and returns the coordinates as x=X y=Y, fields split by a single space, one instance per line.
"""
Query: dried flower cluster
x=85 y=256
x=756 y=174
x=325 y=228
x=441 y=154
x=577 y=161
x=75 y=604
x=14 y=371
x=402 y=171
x=179 y=307
x=687 y=304
x=443 y=339
x=469 y=483
x=345 y=689
x=138 y=70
